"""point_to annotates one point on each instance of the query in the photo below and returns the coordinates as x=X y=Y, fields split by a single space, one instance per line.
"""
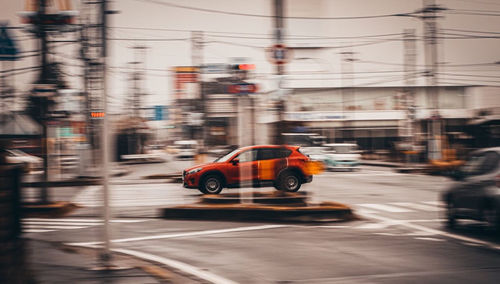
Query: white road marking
x=416 y=206
x=36 y=231
x=385 y=207
x=60 y=223
x=434 y=203
x=52 y=227
x=187 y=234
x=207 y=276
x=430 y=239
x=98 y=221
x=434 y=231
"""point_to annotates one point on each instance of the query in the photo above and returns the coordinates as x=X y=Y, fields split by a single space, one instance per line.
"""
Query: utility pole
x=280 y=70
x=434 y=123
x=44 y=51
x=105 y=254
x=409 y=68
x=137 y=78
x=347 y=68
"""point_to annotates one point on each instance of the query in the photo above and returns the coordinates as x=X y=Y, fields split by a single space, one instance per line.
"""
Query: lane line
x=416 y=206
x=60 y=223
x=205 y=275
x=181 y=266
x=52 y=227
x=384 y=207
x=62 y=220
x=434 y=231
x=187 y=234
x=36 y=231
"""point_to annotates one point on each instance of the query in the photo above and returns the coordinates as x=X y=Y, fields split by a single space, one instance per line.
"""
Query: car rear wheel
x=289 y=182
x=211 y=185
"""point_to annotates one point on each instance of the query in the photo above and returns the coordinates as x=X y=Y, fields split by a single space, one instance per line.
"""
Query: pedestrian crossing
x=400 y=207
x=44 y=225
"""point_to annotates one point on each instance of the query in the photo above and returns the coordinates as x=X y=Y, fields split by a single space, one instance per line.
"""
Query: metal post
x=410 y=60
x=105 y=253
x=44 y=194
x=278 y=25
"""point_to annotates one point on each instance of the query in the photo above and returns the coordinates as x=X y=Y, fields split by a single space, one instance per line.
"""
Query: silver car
x=476 y=194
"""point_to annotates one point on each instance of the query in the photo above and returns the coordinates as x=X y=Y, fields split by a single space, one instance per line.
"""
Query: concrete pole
x=106 y=252
x=434 y=123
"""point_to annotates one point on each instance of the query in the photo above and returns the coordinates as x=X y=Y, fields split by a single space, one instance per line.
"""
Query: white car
x=29 y=162
x=187 y=149
x=342 y=156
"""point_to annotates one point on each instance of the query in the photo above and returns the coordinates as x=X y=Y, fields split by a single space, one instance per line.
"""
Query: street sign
x=8 y=49
x=242 y=88
x=279 y=54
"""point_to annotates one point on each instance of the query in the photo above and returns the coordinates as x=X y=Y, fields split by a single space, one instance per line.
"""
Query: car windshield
x=226 y=157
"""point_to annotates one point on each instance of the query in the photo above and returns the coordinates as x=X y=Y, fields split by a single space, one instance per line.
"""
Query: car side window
x=490 y=162
x=481 y=164
x=267 y=154
x=248 y=156
x=273 y=153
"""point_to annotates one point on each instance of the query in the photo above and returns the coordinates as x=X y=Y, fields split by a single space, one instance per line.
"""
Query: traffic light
x=243 y=67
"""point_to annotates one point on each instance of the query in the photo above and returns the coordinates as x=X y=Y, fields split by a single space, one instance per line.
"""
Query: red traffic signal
x=244 y=67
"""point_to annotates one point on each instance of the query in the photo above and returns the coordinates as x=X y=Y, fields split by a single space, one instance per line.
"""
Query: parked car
x=344 y=156
x=28 y=161
x=476 y=194
x=283 y=167
x=186 y=149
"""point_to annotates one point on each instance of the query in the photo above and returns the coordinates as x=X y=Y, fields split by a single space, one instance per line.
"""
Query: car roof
x=268 y=146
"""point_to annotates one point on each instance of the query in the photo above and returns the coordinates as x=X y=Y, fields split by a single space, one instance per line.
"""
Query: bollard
x=12 y=248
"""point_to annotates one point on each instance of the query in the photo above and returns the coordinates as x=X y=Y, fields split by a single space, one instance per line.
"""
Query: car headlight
x=194 y=171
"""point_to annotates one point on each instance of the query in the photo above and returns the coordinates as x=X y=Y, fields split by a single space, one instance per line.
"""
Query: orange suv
x=283 y=167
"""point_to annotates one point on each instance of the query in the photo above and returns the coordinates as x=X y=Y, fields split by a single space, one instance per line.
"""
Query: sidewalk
x=51 y=264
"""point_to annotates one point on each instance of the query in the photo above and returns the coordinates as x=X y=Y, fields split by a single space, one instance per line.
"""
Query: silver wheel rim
x=292 y=182
x=212 y=185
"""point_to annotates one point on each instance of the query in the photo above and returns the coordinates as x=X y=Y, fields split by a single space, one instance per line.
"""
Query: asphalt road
x=400 y=238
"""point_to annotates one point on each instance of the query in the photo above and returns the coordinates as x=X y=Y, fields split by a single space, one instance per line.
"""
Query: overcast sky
x=227 y=36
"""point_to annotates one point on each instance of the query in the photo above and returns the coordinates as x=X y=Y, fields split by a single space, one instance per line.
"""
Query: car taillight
x=497 y=180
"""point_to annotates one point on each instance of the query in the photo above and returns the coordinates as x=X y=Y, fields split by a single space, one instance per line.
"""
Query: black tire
x=491 y=215
x=211 y=184
x=451 y=220
x=289 y=181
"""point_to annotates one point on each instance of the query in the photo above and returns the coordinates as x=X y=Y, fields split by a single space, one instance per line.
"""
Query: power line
x=471 y=31
x=150 y=39
x=270 y=16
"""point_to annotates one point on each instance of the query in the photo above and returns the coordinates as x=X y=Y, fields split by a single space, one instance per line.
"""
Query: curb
x=64 y=183
x=324 y=212
x=53 y=209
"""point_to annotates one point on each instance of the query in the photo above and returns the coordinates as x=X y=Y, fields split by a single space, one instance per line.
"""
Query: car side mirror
x=235 y=161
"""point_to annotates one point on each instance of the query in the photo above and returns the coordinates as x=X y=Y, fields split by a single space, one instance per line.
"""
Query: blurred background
x=139 y=90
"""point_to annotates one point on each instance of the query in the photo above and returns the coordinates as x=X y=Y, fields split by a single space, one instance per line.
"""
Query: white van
x=342 y=156
x=186 y=149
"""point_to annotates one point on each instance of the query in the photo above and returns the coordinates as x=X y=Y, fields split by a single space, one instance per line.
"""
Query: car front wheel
x=211 y=185
x=451 y=220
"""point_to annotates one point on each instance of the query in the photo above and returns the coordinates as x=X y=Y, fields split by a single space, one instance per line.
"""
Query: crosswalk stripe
x=53 y=227
x=36 y=231
x=97 y=221
x=385 y=207
x=416 y=206
x=434 y=203
x=60 y=223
